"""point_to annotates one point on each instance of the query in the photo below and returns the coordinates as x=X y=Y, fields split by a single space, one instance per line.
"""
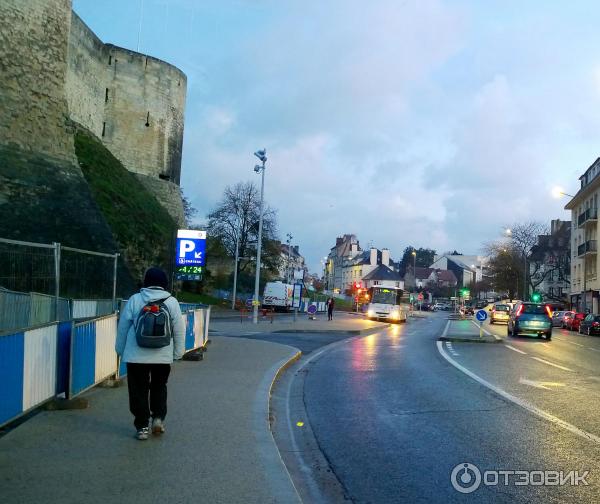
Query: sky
x=432 y=123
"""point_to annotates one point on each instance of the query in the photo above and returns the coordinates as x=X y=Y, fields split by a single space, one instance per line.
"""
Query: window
x=106 y=96
x=110 y=60
x=147 y=119
x=103 y=128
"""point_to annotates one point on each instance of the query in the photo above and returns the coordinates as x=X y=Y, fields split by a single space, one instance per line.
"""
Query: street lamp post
x=289 y=244
x=262 y=156
x=414 y=254
x=235 y=270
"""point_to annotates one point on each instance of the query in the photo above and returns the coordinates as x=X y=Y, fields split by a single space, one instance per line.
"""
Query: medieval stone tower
x=55 y=76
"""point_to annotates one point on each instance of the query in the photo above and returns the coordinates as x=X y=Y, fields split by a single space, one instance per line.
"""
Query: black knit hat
x=155 y=277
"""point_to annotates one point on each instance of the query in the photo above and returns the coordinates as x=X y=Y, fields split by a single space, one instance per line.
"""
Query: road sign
x=420 y=296
x=481 y=315
x=312 y=309
x=297 y=296
x=190 y=247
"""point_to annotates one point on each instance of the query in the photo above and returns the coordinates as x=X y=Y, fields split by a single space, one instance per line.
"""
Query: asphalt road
x=393 y=416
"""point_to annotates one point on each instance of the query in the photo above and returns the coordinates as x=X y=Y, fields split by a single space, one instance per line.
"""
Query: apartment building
x=585 y=286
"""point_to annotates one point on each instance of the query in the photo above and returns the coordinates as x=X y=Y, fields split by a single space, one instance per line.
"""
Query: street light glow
x=558 y=192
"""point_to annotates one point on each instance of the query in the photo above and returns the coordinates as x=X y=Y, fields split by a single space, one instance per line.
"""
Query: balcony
x=589 y=247
x=587 y=217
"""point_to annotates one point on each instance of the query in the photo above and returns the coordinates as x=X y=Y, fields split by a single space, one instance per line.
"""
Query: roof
x=446 y=276
x=423 y=272
x=383 y=273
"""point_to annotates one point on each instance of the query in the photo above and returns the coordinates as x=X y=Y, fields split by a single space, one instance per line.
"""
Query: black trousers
x=329 y=314
x=145 y=380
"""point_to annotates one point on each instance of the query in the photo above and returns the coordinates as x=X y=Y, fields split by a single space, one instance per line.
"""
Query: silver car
x=557 y=318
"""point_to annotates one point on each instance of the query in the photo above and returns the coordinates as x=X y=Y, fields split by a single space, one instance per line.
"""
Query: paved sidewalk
x=217 y=449
x=467 y=331
x=342 y=323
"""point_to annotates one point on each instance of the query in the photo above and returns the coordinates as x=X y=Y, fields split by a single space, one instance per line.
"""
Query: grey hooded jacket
x=126 y=345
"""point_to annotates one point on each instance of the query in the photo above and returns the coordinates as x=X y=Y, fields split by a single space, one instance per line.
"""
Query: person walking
x=330 y=306
x=150 y=335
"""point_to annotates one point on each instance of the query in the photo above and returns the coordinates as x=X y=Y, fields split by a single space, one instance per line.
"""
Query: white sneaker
x=158 y=427
x=143 y=433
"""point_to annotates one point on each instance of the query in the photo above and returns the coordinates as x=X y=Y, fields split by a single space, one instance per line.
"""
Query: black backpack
x=153 y=325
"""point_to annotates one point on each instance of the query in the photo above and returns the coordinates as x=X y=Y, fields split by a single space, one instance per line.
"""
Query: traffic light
x=464 y=293
x=536 y=297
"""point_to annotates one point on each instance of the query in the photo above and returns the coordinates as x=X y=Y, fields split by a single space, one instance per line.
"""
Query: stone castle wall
x=134 y=103
x=33 y=67
x=54 y=70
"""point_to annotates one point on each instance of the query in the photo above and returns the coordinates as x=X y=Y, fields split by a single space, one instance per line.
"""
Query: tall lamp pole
x=262 y=156
x=414 y=254
x=235 y=271
x=289 y=244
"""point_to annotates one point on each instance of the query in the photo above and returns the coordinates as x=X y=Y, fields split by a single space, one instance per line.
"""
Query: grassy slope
x=141 y=226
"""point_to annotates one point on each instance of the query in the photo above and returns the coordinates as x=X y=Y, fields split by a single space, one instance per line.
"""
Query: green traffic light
x=536 y=297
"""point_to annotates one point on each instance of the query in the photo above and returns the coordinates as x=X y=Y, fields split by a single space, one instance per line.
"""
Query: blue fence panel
x=63 y=357
x=83 y=357
x=12 y=356
x=189 y=330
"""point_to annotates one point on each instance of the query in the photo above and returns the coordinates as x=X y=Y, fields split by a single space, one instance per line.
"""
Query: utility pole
x=235 y=271
x=262 y=156
x=289 y=244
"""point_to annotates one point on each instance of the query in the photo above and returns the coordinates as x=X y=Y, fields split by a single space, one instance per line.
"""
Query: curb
x=468 y=340
x=281 y=484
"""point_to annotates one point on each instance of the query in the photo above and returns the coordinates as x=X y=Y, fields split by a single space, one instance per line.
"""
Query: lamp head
x=257 y=168
x=262 y=155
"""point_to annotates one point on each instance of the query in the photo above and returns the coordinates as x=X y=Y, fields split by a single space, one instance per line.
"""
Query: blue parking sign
x=481 y=315
x=191 y=247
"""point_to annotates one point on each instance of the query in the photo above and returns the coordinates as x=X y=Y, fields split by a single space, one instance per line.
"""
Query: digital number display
x=189 y=270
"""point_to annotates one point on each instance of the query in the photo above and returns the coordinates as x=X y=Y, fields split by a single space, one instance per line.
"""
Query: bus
x=387 y=303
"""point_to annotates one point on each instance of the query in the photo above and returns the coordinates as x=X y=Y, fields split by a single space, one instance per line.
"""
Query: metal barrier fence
x=20 y=310
x=28 y=370
x=67 y=358
x=93 y=357
x=53 y=272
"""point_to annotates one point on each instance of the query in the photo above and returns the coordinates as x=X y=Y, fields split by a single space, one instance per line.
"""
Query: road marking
x=518 y=401
x=515 y=349
x=594 y=349
x=541 y=384
x=451 y=349
x=569 y=342
x=539 y=359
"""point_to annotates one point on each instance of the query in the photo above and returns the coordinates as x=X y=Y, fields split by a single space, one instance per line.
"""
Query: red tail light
x=548 y=311
x=596 y=324
x=519 y=311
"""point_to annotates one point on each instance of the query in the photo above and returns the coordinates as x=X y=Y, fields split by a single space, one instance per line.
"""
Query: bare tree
x=505 y=267
x=524 y=237
x=235 y=219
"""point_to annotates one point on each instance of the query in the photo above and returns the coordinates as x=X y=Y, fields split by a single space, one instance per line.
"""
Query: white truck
x=278 y=295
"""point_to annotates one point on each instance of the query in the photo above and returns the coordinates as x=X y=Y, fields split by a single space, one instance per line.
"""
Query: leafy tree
x=189 y=212
x=424 y=259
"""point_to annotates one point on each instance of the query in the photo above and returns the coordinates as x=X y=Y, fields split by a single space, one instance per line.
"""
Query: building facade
x=346 y=248
x=291 y=262
x=585 y=285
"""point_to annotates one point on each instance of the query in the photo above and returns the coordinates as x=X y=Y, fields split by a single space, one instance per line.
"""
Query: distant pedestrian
x=151 y=334
x=330 y=306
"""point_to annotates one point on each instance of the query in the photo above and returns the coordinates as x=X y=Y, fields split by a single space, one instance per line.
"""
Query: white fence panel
x=39 y=370
x=199 y=327
x=106 y=358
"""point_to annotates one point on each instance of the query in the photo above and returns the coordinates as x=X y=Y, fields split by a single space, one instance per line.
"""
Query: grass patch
x=193 y=297
x=141 y=226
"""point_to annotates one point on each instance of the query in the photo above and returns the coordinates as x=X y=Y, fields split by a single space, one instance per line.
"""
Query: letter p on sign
x=185 y=247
